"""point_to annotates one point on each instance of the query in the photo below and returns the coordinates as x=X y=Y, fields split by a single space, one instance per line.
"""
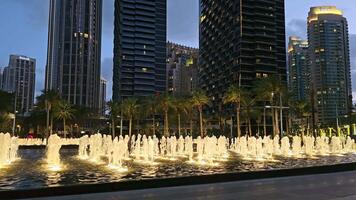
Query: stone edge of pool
x=172 y=182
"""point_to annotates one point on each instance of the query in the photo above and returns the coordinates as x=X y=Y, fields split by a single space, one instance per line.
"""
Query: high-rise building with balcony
x=182 y=69
x=240 y=40
x=139 y=48
x=19 y=78
x=74 y=50
x=330 y=63
x=299 y=72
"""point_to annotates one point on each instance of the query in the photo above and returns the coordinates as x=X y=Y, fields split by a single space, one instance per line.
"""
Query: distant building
x=182 y=69
x=330 y=63
x=139 y=48
x=74 y=50
x=299 y=72
x=240 y=42
x=102 y=95
x=19 y=78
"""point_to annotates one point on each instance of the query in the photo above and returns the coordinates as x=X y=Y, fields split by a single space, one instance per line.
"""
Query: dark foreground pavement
x=333 y=186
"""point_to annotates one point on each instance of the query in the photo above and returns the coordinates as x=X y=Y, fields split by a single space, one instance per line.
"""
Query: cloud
x=297 y=27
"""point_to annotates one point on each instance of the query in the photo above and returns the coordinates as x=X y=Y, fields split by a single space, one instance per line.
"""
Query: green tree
x=199 y=100
x=130 y=108
x=48 y=100
x=180 y=107
x=166 y=102
x=63 y=111
x=114 y=111
x=234 y=96
x=271 y=89
x=151 y=109
x=249 y=113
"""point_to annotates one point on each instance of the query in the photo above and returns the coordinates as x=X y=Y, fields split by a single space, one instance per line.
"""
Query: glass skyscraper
x=330 y=63
x=139 y=48
x=299 y=72
x=19 y=78
x=240 y=40
x=74 y=50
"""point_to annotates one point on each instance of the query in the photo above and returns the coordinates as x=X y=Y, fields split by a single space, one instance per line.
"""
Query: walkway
x=336 y=186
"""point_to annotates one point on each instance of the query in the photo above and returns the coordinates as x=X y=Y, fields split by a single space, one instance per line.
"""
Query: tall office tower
x=102 y=95
x=139 y=48
x=19 y=78
x=182 y=69
x=299 y=72
x=74 y=50
x=330 y=63
x=240 y=40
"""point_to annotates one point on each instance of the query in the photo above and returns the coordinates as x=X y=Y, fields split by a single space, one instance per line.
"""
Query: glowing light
x=54 y=168
x=118 y=168
x=322 y=10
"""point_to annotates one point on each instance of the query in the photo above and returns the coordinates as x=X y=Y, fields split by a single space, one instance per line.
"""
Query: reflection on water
x=32 y=172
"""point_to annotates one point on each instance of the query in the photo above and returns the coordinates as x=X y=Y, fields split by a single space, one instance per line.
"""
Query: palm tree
x=248 y=102
x=234 y=96
x=302 y=110
x=200 y=99
x=130 y=108
x=180 y=108
x=271 y=90
x=48 y=100
x=63 y=111
x=114 y=111
x=166 y=102
x=151 y=109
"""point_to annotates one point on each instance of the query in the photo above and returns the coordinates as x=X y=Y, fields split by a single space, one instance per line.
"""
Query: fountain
x=8 y=149
x=52 y=154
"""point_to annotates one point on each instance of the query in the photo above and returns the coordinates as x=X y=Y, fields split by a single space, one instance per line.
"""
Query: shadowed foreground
x=335 y=186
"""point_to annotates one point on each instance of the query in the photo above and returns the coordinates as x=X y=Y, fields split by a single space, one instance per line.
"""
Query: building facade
x=330 y=63
x=74 y=50
x=19 y=78
x=299 y=72
x=139 y=48
x=182 y=69
x=102 y=95
x=240 y=41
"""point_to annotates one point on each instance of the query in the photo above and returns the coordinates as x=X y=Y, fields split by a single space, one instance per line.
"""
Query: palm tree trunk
x=249 y=127
x=264 y=122
x=51 y=126
x=64 y=128
x=201 y=122
x=238 y=121
x=113 y=128
x=273 y=123
x=179 y=124
x=276 y=121
x=154 y=125
x=166 y=131
x=130 y=127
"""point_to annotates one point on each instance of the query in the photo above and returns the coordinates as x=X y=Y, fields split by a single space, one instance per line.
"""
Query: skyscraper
x=1 y=70
x=74 y=50
x=299 y=72
x=19 y=78
x=240 y=40
x=182 y=69
x=330 y=63
x=139 y=48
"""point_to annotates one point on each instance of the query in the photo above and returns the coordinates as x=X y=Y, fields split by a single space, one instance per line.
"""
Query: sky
x=24 y=26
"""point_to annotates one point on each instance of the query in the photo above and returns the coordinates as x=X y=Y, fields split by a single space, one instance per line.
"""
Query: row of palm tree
x=162 y=105
x=55 y=107
x=248 y=102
